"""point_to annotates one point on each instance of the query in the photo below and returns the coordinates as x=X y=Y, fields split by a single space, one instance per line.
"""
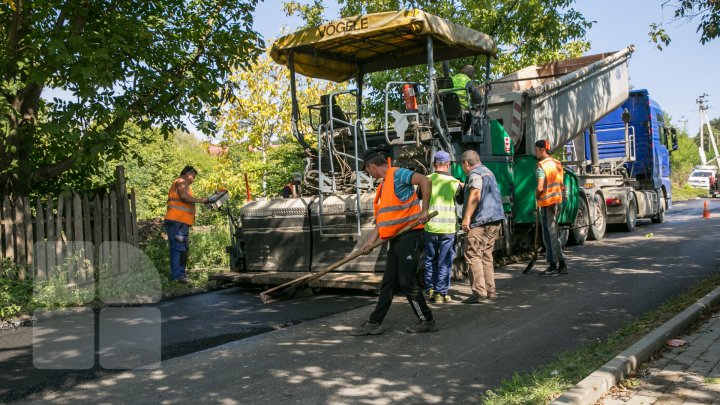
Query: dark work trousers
x=403 y=258
x=178 y=236
x=551 y=233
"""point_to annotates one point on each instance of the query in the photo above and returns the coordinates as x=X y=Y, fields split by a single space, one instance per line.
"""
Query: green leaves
x=152 y=61
x=707 y=11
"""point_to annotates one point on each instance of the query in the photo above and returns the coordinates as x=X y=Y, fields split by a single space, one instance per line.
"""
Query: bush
x=15 y=295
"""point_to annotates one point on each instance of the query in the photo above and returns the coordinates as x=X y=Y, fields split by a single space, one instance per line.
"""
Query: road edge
x=597 y=384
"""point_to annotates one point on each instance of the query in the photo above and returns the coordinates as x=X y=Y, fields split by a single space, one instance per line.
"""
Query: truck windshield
x=701 y=174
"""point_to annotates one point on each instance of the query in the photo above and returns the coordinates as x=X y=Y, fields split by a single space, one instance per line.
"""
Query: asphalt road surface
x=611 y=282
x=189 y=324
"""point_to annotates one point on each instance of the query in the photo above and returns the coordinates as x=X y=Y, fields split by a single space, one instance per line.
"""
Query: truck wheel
x=631 y=213
x=657 y=219
x=580 y=228
x=597 y=229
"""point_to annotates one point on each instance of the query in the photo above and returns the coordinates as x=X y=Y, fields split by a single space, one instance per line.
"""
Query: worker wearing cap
x=549 y=193
x=179 y=218
x=440 y=231
x=482 y=220
x=396 y=206
x=463 y=85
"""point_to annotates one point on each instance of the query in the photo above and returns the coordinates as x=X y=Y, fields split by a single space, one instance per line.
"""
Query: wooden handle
x=312 y=276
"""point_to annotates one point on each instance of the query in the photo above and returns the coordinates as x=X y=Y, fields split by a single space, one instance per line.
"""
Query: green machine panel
x=503 y=172
x=568 y=210
x=525 y=183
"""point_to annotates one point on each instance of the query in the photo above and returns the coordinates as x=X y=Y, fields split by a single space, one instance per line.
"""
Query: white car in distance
x=701 y=176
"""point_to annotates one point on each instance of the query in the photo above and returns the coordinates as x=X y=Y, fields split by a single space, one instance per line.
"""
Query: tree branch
x=48 y=172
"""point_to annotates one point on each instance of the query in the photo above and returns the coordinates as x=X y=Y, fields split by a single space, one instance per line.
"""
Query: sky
x=675 y=76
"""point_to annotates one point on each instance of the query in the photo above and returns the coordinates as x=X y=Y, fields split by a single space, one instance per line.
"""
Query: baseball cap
x=441 y=157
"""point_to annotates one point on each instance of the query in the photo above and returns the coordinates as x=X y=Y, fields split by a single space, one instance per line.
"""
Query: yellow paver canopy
x=368 y=43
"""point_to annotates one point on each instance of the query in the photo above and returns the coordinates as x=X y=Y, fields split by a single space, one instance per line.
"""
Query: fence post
x=51 y=255
x=133 y=219
x=7 y=222
x=59 y=250
x=122 y=217
x=87 y=239
x=97 y=231
x=40 y=262
x=114 y=232
x=28 y=234
x=105 y=219
x=79 y=238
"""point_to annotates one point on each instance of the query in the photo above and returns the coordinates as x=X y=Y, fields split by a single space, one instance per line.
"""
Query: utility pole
x=702 y=110
x=683 y=121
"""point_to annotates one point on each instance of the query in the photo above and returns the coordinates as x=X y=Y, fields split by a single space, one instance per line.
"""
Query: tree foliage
x=152 y=62
x=258 y=116
x=706 y=11
x=157 y=162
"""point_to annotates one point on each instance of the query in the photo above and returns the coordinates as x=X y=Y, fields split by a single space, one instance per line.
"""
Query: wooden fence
x=69 y=230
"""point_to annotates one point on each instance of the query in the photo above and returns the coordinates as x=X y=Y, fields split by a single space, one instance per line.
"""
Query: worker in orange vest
x=550 y=194
x=396 y=206
x=179 y=218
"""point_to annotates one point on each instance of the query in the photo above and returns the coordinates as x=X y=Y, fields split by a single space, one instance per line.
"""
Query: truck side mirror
x=673 y=139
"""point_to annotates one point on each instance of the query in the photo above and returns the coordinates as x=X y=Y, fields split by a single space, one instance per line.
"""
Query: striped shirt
x=403 y=185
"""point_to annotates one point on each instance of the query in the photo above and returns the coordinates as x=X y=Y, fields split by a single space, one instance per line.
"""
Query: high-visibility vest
x=442 y=200
x=391 y=214
x=553 y=192
x=177 y=209
x=460 y=82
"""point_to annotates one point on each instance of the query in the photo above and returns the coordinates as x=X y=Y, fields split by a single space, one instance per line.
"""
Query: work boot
x=551 y=271
x=422 y=327
x=473 y=299
x=447 y=298
x=562 y=267
x=429 y=294
x=367 y=328
x=438 y=299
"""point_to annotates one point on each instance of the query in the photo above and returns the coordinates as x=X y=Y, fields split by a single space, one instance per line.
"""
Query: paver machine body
x=282 y=238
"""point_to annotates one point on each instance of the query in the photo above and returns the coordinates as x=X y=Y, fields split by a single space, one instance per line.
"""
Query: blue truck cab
x=651 y=142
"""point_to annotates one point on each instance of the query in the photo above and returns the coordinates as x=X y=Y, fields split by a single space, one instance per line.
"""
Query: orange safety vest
x=177 y=209
x=391 y=214
x=553 y=193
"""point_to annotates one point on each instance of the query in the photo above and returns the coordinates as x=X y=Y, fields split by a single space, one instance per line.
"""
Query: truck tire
x=631 y=213
x=580 y=228
x=599 y=218
x=660 y=217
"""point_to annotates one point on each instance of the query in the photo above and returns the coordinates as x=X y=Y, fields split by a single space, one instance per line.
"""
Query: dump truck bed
x=557 y=101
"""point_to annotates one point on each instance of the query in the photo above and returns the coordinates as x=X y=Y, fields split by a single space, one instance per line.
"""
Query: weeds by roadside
x=23 y=297
x=542 y=385
x=686 y=192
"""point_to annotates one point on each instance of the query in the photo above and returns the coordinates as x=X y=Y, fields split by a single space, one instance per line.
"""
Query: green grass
x=542 y=385
x=686 y=192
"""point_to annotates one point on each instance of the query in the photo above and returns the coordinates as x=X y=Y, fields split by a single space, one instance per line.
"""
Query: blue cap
x=441 y=157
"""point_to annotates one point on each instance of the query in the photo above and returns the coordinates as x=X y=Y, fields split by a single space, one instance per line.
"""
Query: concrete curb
x=597 y=384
